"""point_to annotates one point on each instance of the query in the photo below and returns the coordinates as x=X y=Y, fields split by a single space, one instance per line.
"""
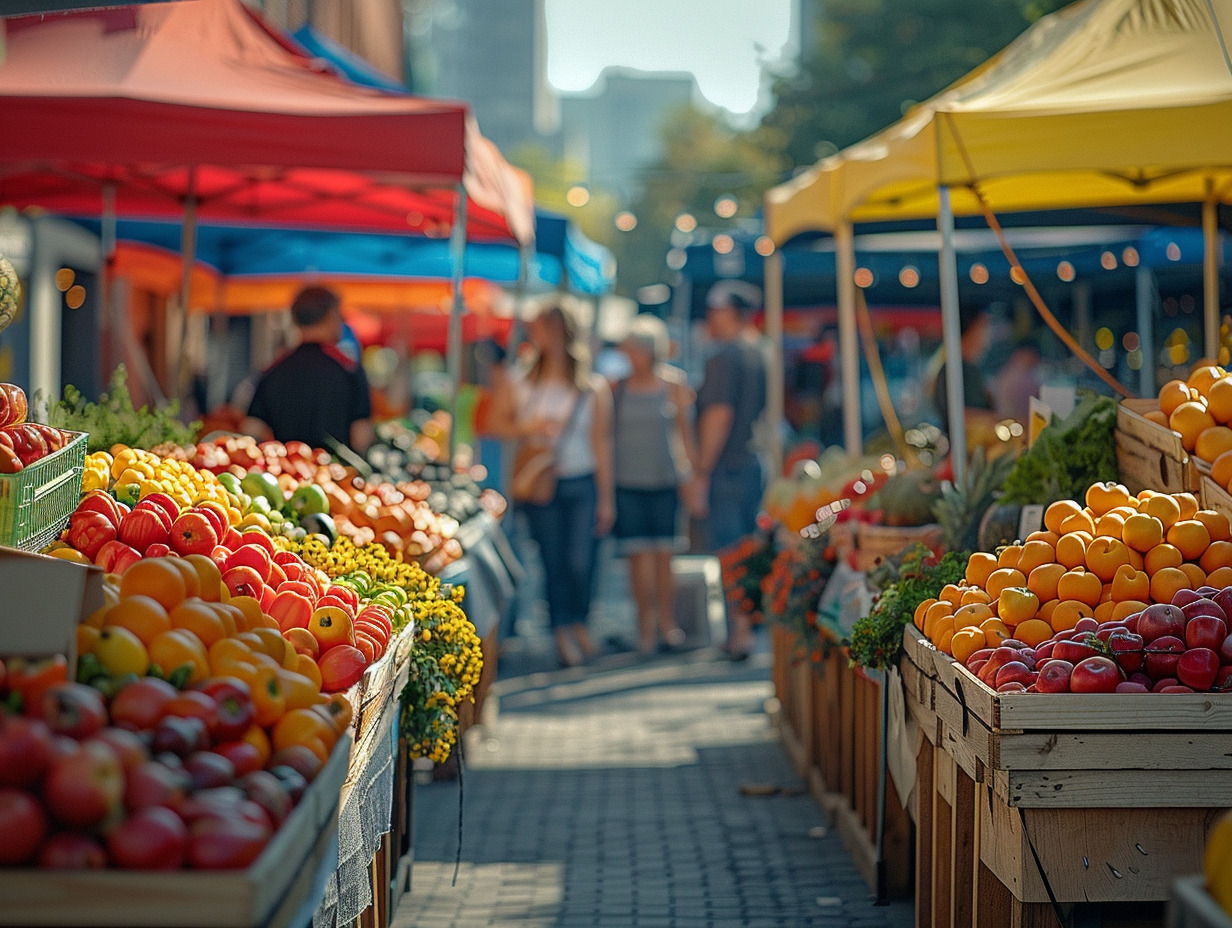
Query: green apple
x=257 y=483
x=309 y=498
x=230 y=482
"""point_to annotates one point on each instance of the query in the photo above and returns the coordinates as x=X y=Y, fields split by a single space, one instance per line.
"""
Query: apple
x=89 y=530
x=269 y=792
x=292 y=780
x=234 y=710
x=217 y=521
x=84 y=788
x=1205 y=631
x=290 y=609
x=1162 y=655
x=105 y=504
x=192 y=704
x=158 y=549
x=1054 y=676
x=72 y=850
x=1140 y=677
x=72 y=709
x=180 y=736
x=1011 y=686
x=1160 y=685
x=154 y=783
x=25 y=749
x=192 y=533
x=1131 y=622
x=1086 y=624
x=1177 y=688
x=161 y=502
x=208 y=770
x=1095 y=675
x=243 y=581
x=1197 y=668
x=1043 y=652
x=152 y=839
x=1074 y=651
x=1159 y=621
x=1224 y=599
x=1131 y=686
x=1204 y=607
x=23 y=825
x=252 y=556
x=139 y=705
x=144 y=527
x=245 y=756
x=1128 y=650
x=129 y=747
x=976 y=667
x=1225 y=650
x=115 y=557
x=1223 y=679
x=230 y=843
x=1183 y=598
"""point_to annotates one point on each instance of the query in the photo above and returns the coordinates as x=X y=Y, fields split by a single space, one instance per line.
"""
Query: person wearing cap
x=315 y=393
x=726 y=486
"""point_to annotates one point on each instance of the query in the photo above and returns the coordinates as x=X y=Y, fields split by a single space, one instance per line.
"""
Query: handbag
x=534 y=466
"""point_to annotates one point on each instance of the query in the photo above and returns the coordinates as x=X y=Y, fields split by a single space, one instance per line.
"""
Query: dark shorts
x=646 y=520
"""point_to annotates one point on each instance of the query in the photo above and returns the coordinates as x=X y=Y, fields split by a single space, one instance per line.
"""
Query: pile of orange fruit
x=1106 y=559
x=1199 y=409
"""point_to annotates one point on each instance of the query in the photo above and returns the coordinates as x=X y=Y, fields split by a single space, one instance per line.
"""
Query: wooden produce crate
x=874 y=543
x=1150 y=456
x=1213 y=496
x=1193 y=907
x=269 y=894
x=1085 y=799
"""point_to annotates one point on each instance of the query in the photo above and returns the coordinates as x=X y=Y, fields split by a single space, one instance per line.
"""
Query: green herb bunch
x=920 y=574
x=114 y=421
x=1069 y=455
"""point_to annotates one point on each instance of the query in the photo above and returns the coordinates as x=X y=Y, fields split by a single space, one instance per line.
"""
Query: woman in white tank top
x=558 y=402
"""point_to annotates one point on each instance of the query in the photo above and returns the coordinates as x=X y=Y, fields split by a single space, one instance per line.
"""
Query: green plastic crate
x=36 y=502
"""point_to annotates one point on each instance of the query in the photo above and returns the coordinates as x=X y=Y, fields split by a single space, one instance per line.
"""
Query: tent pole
x=1144 y=292
x=1210 y=272
x=849 y=359
x=453 y=344
x=952 y=331
x=774 y=369
x=108 y=236
x=188 y=255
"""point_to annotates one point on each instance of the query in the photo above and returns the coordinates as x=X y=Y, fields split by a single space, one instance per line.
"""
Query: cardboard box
x=44 y=600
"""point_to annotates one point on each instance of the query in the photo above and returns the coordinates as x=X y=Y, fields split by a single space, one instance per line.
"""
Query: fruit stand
x=226 y=684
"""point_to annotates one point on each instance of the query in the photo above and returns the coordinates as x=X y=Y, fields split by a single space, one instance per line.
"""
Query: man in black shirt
x=315 y=391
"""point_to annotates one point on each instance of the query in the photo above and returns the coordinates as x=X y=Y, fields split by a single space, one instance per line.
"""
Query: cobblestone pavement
x=611 y=796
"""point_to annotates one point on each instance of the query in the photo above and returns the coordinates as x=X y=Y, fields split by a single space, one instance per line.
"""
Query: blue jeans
x=564 y=530
x=735 y=498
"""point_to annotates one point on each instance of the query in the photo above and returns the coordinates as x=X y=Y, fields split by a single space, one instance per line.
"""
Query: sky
x=715 y=39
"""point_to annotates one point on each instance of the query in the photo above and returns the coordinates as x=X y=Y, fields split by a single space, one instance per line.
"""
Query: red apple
x=144 y=527
x=1197 y=668
x=23 y=825
x=25 y=749
x=115 y=557
x=1074 y=651
x=1162 y=655
x=140 y=705
x=217 y=843
x=85 y=787
x=1225 y=650
x=245 y=756
x=72 y=850
x=101 y=501
x=89 y=530
x=1011 y=686
x=1128 y=650
x=1014 y=672
x=1086 y=624
x=1204 y=607
x=158 y=549
x=267 y=791
x=1131 y=622
x=217 y=522
x=192 y=533
x=1054 y=676
x=1131 y=686
x=164 y=504
x=1159 y=685
x=1176 y=688
x=1182 y=598
x=1224 y=599
x=156 y=784
x=1095 y=675
x=244 y=581
x=1142 y=678
x=1044 y=651
x=72 y=709
x=1159 y=621
x=1223 y=679
x=128 y=745
x=1205 y=631
x=153 y=839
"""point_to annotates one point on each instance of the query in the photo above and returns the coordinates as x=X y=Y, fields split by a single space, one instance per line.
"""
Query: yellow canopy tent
x=1104 y=103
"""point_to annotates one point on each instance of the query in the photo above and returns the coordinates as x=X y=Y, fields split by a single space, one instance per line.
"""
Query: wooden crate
x=1193 y=907
x=874 y=543
x=1213 y=496
x=267 y=894
x=1150 y=456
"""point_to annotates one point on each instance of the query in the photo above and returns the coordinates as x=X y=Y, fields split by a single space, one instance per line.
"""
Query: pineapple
x=963 y=505
x=10 y=293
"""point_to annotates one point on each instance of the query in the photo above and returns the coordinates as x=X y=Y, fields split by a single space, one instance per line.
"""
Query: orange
x=192 y=583
x=1110 y=525
x=995 y=631
x=1105 y=556
x=141 y=615
x=1047 y=609
x=1196 y=575
x=257 y=737
x=1080 y=585
x=1221 y=469
x=943 y=631
x=121 y=652
x=973 y=614
x=1105 y=595
x=1103 y=612
x=1130 y=584
x=252 y=611
x=1033 y=632
x=1220 y=578
x=1058 y=512
x=1142 y=532
x=1190 y=420
x=1163 y=507
x=177 y=648
x=1165 y=583
x=1136 y=560
x=1003 y=579
x=1188 y=504
x=1156 y=416
x=1016 y=605
x=1203 y=377
x=917 y=617
x=965 y=642
x=1127 y=608
x=979 y=566
x=157 y=578
x=1043 y=581
x=87 y=638
x=1067 y=613
x=1190 y=538
x=1080 y=521
x=209 y=578
x=232 y=617
x=1172 y=394
x=300 y=691
x=1219 y=399
x=1044 y=535
x=1213 y=442
x=199 y=617
x=1072 y=549
x=1009 y=556
x=306 y=666
x=1035 y=554
x=951 y=594
x=1217 y=524
x=1161 y=556
x=1103 y=497
x=974 y=594
x=934 y=613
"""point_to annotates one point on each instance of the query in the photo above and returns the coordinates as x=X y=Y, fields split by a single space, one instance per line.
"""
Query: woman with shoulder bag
x=561 y=417
x=653 y=448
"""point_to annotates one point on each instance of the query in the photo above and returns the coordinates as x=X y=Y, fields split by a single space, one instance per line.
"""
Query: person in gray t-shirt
x=725 y=492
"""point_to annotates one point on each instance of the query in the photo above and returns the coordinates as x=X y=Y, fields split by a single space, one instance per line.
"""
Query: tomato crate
x=269 y=894
x=1150 y=456
x=36 y=502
